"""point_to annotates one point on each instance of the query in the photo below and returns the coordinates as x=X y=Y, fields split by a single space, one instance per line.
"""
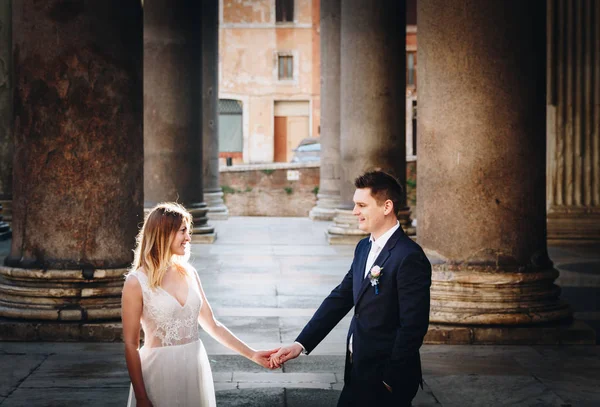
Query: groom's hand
x=286 y=353
x=262 y=357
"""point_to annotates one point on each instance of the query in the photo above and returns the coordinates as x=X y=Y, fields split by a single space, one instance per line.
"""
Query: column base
x=345 y=230
x=321 y=214
x=567 y=333
x=216 y=206
x=47 y=331
x=218 y=213
x=206 y=238
x=202 y=232
x=573 y=226
x=326 y=206
x=60 y=305
x=480 y=294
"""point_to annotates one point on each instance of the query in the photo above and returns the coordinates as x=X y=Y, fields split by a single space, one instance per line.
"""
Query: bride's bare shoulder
x=187 y=268
x=134 y=283
x=132 y=286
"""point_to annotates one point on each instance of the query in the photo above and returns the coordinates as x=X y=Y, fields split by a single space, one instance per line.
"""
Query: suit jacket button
x=356 y=315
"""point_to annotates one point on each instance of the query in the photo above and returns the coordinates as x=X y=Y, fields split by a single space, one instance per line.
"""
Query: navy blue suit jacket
x=388 y=327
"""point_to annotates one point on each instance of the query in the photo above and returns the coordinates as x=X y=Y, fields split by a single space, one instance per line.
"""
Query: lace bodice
x=164 y=320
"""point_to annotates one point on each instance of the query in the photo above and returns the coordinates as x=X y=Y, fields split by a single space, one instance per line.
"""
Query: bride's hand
x=261 y=357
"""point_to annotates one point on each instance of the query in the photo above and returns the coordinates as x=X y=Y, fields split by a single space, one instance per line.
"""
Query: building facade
x=268 y=78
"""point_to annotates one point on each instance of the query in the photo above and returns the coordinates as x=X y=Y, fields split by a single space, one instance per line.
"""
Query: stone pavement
x=264 y=277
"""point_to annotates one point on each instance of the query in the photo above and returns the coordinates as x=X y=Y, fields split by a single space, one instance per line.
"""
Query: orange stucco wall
x=249 y=43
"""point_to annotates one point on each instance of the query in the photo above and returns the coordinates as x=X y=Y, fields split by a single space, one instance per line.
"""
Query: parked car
x=308 y=150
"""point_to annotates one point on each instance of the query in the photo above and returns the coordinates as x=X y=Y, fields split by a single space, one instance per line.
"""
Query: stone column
x=77 y=191
x=372 y=97
x=481 y=173
x=172 y=109
x=6 y=142
x=213 y=195
x=573 y=184
x=328 y=198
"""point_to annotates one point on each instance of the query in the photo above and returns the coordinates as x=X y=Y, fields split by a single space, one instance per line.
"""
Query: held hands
x=263 y=358
x=284 y=354
x=275 y=358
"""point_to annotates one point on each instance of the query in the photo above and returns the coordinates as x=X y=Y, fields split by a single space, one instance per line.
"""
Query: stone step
x=569 y=333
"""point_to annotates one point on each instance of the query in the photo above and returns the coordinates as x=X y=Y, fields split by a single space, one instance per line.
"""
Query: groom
x=388 y=286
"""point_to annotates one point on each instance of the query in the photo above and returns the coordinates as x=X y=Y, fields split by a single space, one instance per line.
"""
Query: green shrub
x=227 y=189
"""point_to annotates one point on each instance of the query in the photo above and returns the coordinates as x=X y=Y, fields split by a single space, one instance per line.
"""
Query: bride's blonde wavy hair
x=153 y=248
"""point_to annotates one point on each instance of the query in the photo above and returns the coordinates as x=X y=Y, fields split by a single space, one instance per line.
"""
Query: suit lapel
x=359 y=273
x=379 y=261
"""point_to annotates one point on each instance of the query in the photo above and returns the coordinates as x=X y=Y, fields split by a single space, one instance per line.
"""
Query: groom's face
x=370 y=214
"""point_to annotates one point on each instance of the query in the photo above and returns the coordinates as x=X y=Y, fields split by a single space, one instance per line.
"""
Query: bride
x=162 y=292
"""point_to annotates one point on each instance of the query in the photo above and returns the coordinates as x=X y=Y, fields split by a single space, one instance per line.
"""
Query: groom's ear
x=388 y=207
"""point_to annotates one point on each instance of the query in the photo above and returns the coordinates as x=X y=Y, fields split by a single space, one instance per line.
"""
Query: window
x=285 y=65
x=411 y=69
x=284 y=11
x=230 y=126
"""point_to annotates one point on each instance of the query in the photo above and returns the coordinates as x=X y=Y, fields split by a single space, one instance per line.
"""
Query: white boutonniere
x=374 y=275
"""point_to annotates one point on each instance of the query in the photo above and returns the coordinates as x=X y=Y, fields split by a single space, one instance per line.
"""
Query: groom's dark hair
x=383 y=187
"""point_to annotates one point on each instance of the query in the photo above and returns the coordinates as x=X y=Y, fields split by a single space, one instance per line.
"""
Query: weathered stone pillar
x=481 y=173
x=173 y=109
x=573 y=98
x=372 y=97
x=6 y=142
x=328 y=198
x=77 y=191
x=213 y=195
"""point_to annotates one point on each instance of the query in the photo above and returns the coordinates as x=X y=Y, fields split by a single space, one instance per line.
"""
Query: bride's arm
x=131 y=312
x=220 y=332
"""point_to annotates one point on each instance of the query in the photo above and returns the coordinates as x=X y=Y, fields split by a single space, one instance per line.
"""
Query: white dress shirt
x=377 y=246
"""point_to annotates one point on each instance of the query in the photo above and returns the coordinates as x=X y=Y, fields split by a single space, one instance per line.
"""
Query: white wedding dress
x=175 y=366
